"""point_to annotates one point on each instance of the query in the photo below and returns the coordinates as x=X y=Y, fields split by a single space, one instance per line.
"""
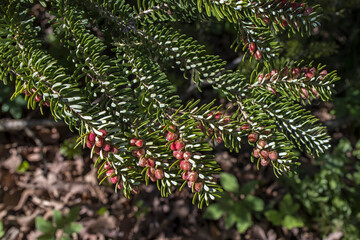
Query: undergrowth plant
x=113 y=87
x=62 y=227
x=237 y=205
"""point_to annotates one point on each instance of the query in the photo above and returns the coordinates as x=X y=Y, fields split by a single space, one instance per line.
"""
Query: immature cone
x=217 y=115
x=134 y=152
x=264 y=153
x=38 y=98
x=274 y=72
x=252 y=48
x=140 y=152
x=253 y=137
x=315 y=92
x=151 y=172
x=261 y=143
x=322 y=74
x=198 y=187
x=193 y=176
x=187 y=155
x=312 y=70
x=245 y=127
x=264 y=162
x=256 y=152
x=107 y=166
x=91 y=137
x=89 y=144
x=114 y=179
x=143 y=162
x=179 y=144
x=185 y=165
x=179 y=155
x=304 y=93
x=273 y=155
x=173 y=146
x=150 y=163
x=103 y=132
x=139 y=143
x=97 y=150
x=258 y=55
x=159 y=174
x=185 y=175
x=309 y=75
x=110 y=172
x=114 y=150
x=260 y=78
x=99 y=142
x=295 y=72
x=133 y=141
x=171 y=136
x=106 y=147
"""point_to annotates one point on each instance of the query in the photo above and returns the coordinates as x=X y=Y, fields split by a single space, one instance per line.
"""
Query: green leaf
x=214 y=211
x=254 y=203
x=249 y=187
x=65 y=238
x=243 y=226
x=47 y=236
x=287 y=206
x=73 y=228
x=102 y=211
x=290 y=222
x=274 y=217
x=23 y=167
x=73 y=214
x=230 y=219
x=58 y=219
x=44 y=226
x=229 y=182
x=2 y=233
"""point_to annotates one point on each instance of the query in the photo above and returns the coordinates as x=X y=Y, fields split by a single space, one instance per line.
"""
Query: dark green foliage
x=287 y=214
x=331 y=196
x=237 y=205
x=115 y=78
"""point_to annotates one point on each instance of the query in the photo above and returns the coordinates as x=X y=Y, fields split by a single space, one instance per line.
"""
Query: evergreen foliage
x=114 y=89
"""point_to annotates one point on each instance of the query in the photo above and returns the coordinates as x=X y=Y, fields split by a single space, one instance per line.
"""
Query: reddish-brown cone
x=139 y=143
x=193 y=176
x=253 y=137
x=159 y=174
x=143 y=162
x=114 y=179
x=133 y=141
x=185 y=165
x=198 y=187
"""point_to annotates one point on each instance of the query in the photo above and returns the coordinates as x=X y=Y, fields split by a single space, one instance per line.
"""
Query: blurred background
x=48 y=188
